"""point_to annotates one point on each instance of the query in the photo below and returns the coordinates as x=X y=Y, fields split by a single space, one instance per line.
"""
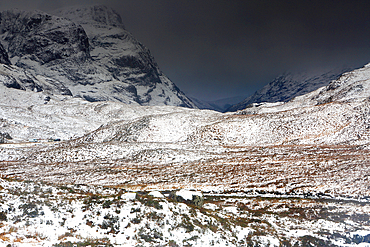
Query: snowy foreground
x=281 y=174
x=37 y=214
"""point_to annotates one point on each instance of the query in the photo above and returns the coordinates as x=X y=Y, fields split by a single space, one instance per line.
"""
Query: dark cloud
x=218 y=49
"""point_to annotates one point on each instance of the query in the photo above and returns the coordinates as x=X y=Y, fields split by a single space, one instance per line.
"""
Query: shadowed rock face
x=41 y=37
x=88 y=51
x=113 y=48
x=41 y=44
x=4 y=58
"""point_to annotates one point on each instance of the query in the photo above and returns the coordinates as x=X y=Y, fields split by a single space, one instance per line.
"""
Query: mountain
x=289 y=85
x=351 y=86
x=88 y=52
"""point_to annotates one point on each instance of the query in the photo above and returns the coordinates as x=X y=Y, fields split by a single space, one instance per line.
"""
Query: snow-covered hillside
x=273 y=174
x=289 y=85
x=97 y=61
x=29 y=114
x=139 y=135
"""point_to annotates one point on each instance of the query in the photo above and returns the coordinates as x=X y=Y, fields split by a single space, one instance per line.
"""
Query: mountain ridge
x=289 y=85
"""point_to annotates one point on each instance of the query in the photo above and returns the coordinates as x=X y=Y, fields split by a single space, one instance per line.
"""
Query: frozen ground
x=38 y=214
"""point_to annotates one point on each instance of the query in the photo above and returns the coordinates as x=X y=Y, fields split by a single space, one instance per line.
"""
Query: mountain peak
x=96 y=15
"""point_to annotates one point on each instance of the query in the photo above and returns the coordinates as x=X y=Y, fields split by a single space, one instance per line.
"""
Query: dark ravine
x=4 y=58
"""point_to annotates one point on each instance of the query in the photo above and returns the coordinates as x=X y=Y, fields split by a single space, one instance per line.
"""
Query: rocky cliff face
x=18 y=78
x=42 y=38
x=90 y=53
x=289 y=85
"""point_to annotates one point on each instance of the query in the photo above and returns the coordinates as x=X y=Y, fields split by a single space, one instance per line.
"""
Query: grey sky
x=222 y=48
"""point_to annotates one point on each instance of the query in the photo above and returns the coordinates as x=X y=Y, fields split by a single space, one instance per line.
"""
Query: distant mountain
x=220 y=105
x=87 y=51
x=350 y=87
x=289 y=85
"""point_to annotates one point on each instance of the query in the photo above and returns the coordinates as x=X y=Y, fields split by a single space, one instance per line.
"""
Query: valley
x=99 y=148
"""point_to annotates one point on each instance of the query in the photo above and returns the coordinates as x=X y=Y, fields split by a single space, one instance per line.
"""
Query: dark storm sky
x=223 y=48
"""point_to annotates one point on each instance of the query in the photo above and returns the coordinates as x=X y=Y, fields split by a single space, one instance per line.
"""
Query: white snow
x=187 y=194
x=129 y=196
x=156 y=194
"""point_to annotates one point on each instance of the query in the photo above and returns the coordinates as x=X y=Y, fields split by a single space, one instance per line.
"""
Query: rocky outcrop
x=4 y=136
x=189 y=197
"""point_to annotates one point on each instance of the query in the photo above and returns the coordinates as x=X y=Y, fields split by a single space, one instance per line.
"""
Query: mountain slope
x=27 y=114
x=351 y=86
x=103 y=63
x=304 y=120
x=289 y=85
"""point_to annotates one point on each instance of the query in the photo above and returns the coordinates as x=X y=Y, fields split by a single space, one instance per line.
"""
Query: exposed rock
x=17 y=78
x=4 y=58
x=194 y=198
x=4 y=136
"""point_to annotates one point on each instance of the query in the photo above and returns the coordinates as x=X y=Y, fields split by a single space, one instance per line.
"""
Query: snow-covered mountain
x=289 y=85
x=88 y=52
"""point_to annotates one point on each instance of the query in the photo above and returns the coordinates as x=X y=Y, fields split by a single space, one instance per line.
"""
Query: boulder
x=4 y=136
x=194 y=198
